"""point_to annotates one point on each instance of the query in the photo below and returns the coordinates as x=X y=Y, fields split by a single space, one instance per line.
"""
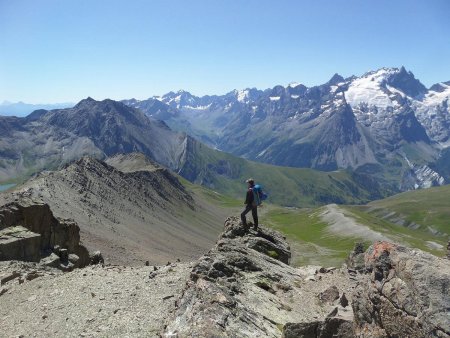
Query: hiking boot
x=255 y=227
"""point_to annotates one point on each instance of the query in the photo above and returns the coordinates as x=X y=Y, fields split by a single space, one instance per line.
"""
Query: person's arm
x=249 y=197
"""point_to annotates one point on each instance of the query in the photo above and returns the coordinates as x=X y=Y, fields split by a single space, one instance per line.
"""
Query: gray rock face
x=17 y=242
x=243 y=288
x=29 y=232
x=355 y=260
x=47 y=138
x=406 y=294
x=329 y=328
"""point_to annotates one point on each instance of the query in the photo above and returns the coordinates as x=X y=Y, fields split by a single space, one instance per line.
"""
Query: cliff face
x=30 y=232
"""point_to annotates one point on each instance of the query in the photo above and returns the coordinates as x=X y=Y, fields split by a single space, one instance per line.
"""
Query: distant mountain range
x=47 y=139
x=384 y=122
x=384 y=131
x=24 y=109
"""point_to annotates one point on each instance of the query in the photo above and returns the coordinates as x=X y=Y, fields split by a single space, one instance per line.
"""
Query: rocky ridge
x=243 y=287
x=131 y=216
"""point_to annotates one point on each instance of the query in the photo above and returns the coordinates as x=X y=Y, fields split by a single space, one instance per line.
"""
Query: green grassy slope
x=286 y=186
x=307 y=234
x=421 y=209
x=314 y=243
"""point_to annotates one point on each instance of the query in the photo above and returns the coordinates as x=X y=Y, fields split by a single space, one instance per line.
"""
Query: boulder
x=18 y=243
x=328 y=328
x=97 y=258
x=405 y=294
x=329 y=295
x=355 y=260
x=52 y=261
x=29 y=231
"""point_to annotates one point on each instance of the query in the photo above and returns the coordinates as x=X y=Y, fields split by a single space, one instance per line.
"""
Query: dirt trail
x=343 y=225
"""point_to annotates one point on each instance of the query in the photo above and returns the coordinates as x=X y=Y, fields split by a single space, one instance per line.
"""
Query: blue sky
x=59 y=51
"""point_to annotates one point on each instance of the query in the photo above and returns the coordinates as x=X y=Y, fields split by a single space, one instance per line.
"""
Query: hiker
x=250 y=204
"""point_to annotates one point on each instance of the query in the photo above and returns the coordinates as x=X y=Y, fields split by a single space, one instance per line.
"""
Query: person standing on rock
x=250 y=205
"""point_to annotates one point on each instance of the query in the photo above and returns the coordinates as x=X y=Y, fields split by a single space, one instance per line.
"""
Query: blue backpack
x=258 y=194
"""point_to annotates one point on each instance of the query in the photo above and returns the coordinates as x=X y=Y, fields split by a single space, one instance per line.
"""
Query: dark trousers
x=254 y=210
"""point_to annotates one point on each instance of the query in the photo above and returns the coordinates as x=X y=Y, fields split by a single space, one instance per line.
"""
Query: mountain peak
x=335 y=79
x=87 y=101
x=406 y=82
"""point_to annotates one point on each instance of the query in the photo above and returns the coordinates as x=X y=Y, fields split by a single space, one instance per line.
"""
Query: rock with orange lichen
x=405 y=294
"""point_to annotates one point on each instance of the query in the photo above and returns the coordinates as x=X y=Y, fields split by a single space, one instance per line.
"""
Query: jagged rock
x=9 y=277
x=301 y=330
x=52 y=261
x=17 y=242
x=74 y=259
x=329 y=295
x=333 y=312
x=355 y=260
x=32 y=275
x=269 y=248
x=97 y=258
x=405 y=295
x=29 y=231
x=63 y=255
x=343 y=301
x=240 y=289
x=329 y=328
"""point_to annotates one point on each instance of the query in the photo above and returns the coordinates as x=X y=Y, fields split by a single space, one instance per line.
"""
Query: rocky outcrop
x=405 y=294
x=355 y=260
x=243 y=288
x=330 y=327
x=30 y=232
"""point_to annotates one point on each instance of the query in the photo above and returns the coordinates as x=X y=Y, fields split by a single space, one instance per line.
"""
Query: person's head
x=250 y=182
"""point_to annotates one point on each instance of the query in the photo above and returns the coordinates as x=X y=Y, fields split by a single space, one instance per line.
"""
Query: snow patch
x=294 y=84
x=433 y=98
x=242 y=95
x=262 y=152
x=368 y=89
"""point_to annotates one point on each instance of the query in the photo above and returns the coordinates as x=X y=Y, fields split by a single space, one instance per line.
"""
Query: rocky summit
x=243 y=287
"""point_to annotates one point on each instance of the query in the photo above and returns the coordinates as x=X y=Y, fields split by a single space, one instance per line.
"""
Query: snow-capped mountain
x=433 y=112
x=373 y=122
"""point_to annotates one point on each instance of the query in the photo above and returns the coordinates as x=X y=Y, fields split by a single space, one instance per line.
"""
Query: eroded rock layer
x=30 y=232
